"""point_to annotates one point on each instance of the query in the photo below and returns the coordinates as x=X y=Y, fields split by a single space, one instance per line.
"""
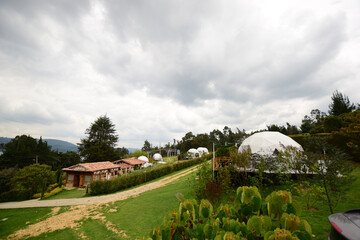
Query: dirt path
x=97 y=199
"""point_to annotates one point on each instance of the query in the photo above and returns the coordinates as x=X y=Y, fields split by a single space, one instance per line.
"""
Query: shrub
x=49 y=194
x=193 y=221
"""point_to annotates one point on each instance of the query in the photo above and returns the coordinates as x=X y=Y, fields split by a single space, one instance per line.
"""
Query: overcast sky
x=160 y=69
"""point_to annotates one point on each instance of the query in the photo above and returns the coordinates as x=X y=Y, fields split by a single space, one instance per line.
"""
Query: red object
x=336 y=227
x=201 y=221
x=172 y=231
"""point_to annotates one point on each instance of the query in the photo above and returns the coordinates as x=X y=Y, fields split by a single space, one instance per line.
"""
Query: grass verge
x=12 y=220
x=71 y=193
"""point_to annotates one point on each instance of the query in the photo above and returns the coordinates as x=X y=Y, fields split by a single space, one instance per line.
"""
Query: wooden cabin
x=80 y=175
x=133 y=162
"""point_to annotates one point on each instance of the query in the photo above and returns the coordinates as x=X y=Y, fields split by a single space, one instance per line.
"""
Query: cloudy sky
x=159 y=69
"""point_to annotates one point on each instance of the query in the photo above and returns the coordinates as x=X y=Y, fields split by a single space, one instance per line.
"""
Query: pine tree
x=340 y=104
x=99 y=145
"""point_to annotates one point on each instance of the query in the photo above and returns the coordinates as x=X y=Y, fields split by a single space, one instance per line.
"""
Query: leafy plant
x=193 y=221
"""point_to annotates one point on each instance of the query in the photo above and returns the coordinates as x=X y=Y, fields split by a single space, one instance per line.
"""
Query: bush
x=137 y=178
x=332 y=123
x=246 y=218
x=49 y=194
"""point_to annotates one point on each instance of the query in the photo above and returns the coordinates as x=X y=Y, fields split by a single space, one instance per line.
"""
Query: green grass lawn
x=72 y=193
x=12 y=220
x=138 y=216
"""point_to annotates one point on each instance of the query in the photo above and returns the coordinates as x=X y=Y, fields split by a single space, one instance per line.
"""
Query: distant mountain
x=132 y=150
x=56 y=145
x=61 y=146
x=4 y=140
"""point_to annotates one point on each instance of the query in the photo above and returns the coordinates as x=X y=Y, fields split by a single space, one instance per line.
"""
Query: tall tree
x=24 y=150
x=340 y=104
x=99 y=145
x=313 y=122
x=147 y=146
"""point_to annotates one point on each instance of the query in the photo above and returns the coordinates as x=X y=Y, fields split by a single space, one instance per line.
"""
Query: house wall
x=84 y=179
x=74 y=178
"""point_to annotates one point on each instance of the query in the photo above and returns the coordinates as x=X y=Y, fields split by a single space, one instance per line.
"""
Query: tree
x=122 y=151
x=313 y=122
x=147 y=146
x=68 y=159
x=100 y=142
x=33 y=179
x=332 y=170
x=340 y=104
x=24 y=150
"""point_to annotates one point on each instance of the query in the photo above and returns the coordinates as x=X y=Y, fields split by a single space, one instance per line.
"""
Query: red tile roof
x=123 y=165
x=130 y=161
x=91 y=167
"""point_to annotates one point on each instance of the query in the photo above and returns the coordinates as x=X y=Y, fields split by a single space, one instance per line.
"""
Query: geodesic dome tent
x=202 y=151
x=143 y=158
x=268 y=143
x=193 y=153
x=157 y=157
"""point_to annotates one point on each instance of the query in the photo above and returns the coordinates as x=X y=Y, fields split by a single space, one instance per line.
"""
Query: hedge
x=336 y=139
x=137 y=178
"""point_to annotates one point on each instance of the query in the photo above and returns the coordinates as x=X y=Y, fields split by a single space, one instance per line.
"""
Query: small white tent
x=157 y=157
x=266 y=143
x=143 y=158
x=193 y=153
x=202 y=151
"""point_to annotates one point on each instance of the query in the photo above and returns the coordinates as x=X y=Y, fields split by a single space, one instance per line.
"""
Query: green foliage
x=24 y=150
x=68 y=159
x=30 y=180
x=136 y=154
x=193 y=222
x=328 y=163
x=5 y=176
x=278 y=203
x=310 y=193
x=99 y=145
x=146 y=147
x=217 y=137
x=224 y=179
x=49 y=194
x=280 y=234
x=340 y=104
x=223 y=152
x=203 y=186
x=332 y=123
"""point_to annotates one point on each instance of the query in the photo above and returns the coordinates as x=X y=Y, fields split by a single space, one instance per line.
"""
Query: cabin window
x=96 y=177
x=70 y=179
x=87 y=179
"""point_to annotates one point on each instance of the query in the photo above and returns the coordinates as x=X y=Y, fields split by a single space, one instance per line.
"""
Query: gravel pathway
x=97 y=199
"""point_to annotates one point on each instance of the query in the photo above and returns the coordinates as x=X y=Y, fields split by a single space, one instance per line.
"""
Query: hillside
x=60 y=145
x=56 y=144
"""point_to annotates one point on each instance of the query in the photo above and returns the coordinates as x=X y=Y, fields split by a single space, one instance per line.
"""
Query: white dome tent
x=203 y=151
x=193 y=153
x=157 y=157
x=268 y=143
x=143 y=158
